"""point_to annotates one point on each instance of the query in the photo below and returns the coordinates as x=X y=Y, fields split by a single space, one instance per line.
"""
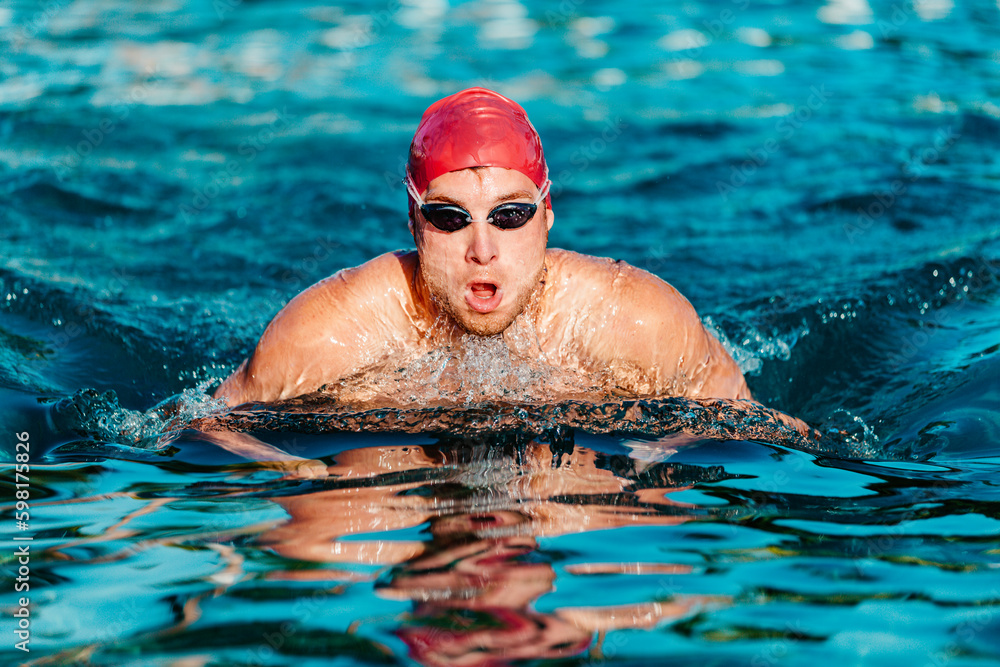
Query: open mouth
x=483 y=297
x=483 y=290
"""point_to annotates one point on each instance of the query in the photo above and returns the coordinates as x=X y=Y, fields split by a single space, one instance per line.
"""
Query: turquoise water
x=819 y=178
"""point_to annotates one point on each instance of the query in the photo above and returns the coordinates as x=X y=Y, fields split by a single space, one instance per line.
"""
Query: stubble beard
x=481 y=324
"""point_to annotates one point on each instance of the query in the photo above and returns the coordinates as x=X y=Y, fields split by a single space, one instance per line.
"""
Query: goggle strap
x=545 y=189
x=412 y=189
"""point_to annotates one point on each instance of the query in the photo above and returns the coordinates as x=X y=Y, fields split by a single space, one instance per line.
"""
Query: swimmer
x=480 y=214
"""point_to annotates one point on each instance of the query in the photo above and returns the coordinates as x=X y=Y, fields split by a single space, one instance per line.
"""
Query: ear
x=412 y=226
x=550 y=217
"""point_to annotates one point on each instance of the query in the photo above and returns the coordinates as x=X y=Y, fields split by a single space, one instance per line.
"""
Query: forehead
x=479 y=182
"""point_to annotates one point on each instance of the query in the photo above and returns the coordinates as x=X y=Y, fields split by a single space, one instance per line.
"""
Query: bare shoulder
x=389 y=270
x=622 y=287
x=566 y=262
x=572 y=275
x=638 y=324
x=325 y=332
x=312 y=311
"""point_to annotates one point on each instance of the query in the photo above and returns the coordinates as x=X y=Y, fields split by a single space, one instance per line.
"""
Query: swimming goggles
x=451 y=218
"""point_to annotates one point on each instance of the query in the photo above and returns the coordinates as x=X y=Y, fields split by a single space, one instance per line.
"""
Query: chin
x=489 y=324
x=479 y=324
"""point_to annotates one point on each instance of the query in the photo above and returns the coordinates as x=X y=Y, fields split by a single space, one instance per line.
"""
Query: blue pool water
x=819 y=178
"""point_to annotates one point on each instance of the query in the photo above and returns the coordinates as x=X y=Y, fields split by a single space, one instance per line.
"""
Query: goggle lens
x=450 y=218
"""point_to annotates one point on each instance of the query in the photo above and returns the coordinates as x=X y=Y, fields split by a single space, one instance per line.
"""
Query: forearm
x=247 y=446
x=254 y=449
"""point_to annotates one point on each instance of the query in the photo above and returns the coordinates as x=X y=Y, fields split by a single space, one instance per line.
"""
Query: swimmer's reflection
x=472 y=595
x=474 y=580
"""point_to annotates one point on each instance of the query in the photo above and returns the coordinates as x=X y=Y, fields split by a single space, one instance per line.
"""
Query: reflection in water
x=474 y=577
x=483 y=550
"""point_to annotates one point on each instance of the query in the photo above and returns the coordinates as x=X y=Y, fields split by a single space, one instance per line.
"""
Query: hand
x=300 y=468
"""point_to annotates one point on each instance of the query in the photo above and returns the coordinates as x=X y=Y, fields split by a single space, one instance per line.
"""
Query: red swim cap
x=475 y=128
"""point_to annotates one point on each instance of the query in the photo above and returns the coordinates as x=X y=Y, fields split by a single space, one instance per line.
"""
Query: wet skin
x=579 y=312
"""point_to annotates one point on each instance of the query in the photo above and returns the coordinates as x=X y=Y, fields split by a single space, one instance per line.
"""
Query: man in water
x=480 y=213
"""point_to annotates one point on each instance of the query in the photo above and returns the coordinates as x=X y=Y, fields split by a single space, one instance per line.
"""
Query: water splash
x=855 y=438
x=481 y=368
x=98 y=415
x=718 y=419
x=750 y=346
x=469 y=370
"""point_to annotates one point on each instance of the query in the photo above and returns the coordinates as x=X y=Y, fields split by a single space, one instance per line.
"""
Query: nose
x=482 y=246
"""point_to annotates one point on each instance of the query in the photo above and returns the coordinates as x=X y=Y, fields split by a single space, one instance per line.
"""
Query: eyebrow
x=509 y=196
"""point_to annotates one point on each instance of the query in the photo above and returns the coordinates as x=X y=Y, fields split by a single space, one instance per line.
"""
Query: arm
x=666 y=342
x=329 y=331
x=294 y=354
x=669 y=343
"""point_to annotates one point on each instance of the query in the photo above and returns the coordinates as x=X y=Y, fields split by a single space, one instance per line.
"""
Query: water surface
x=820 y=179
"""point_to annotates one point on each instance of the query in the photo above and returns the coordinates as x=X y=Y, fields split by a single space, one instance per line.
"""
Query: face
x=482 y=276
